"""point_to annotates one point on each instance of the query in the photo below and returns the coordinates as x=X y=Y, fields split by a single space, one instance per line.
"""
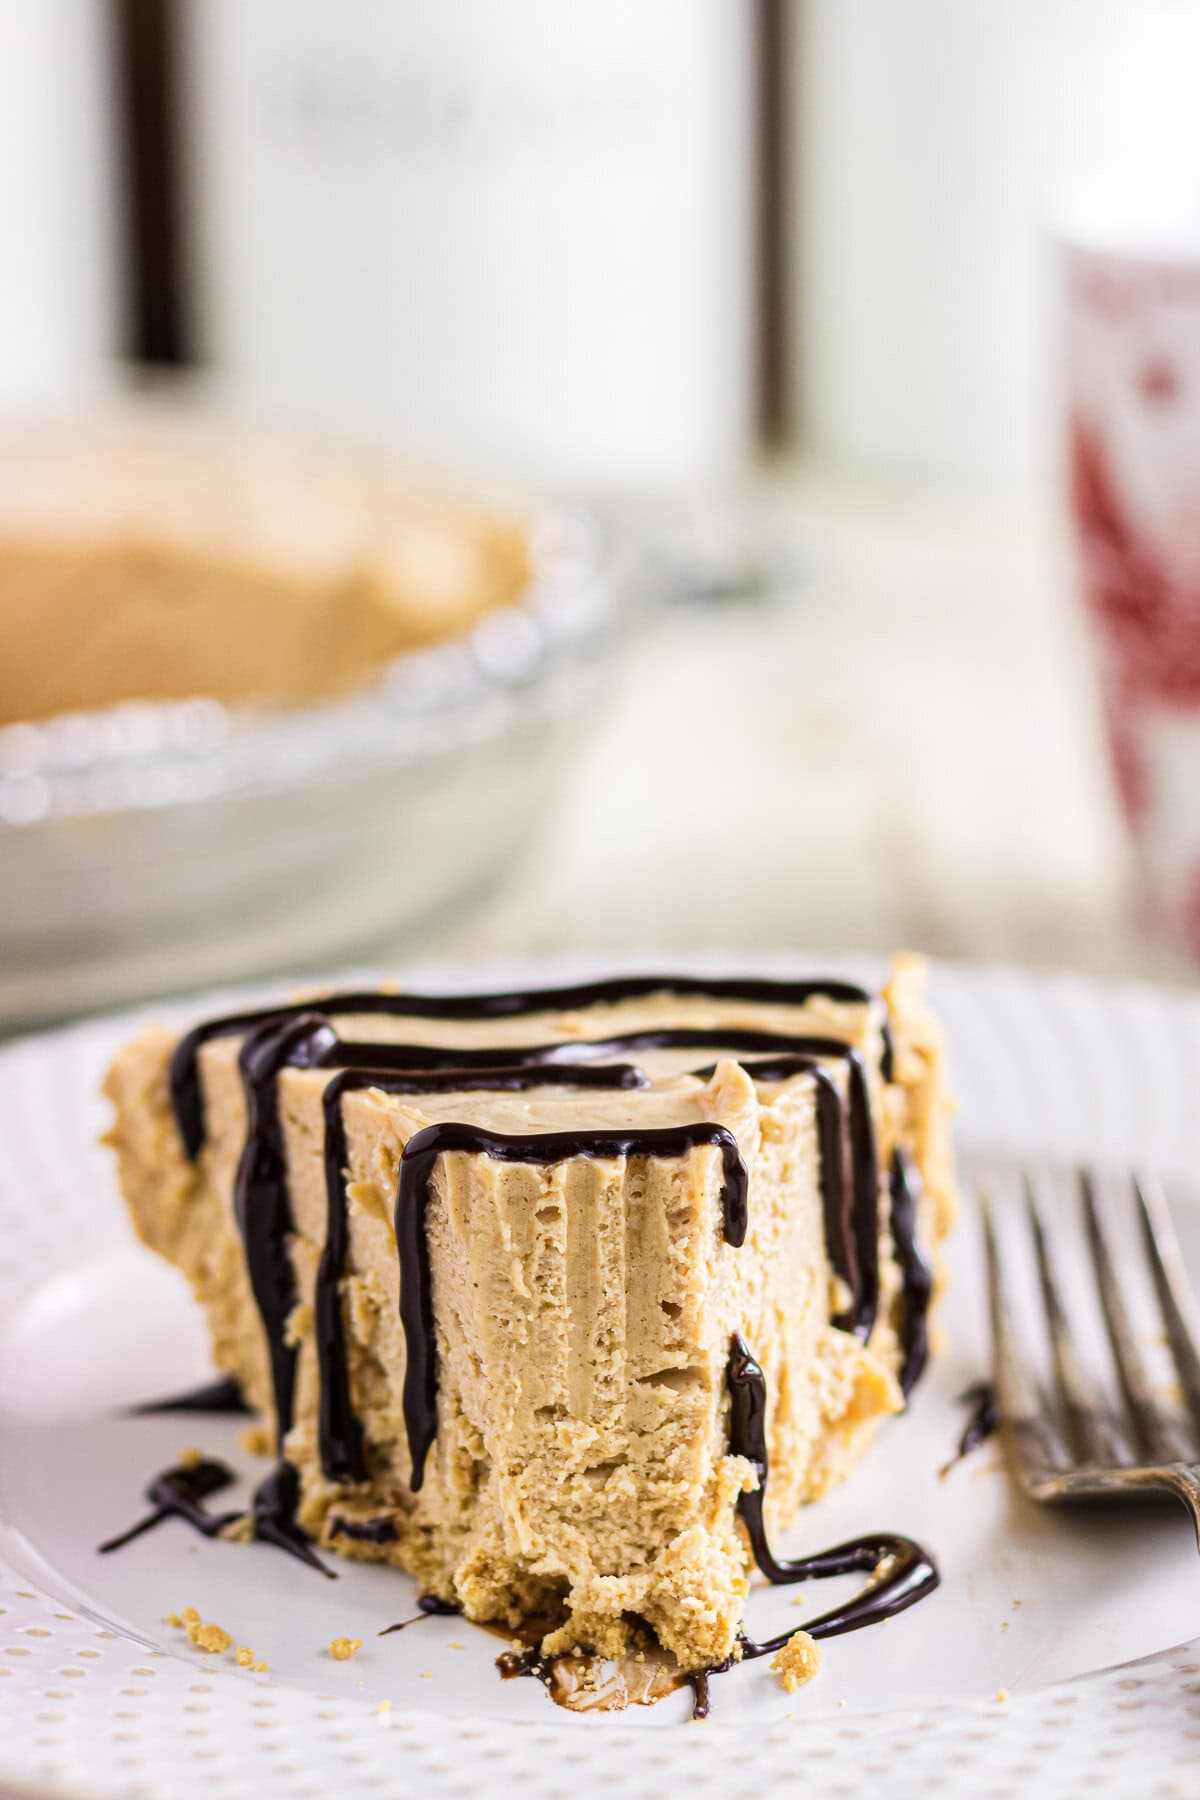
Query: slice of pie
x=491 y=1269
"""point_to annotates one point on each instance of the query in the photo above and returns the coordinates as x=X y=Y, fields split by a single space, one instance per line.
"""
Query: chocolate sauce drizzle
x=915 y=1574
x=180 y=1493
x=261 y=1193
x=905 y=1573
x=362 y=1531
x=851 y=1209
x=902 y=1572
x=914 y=1270
x=549 y=1670
x=428 y=1607
x=983 y=1421
x=851 y=1225
x=223 y=1396
x=701 y=1699
x=188 y=1101
x=273 y=1517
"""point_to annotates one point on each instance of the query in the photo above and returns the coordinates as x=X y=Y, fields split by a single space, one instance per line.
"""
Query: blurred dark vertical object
x=158 y=327
x=773 y=47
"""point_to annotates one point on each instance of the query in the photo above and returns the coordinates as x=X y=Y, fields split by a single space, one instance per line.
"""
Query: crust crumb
x=191 y=1458
x=798 y=1661
x=342 y=1648
x=255 y=1439
x=245 y=1657
x=260 y=1668
x=213 y=1638
x=1002 y=1695
x=173 y=1618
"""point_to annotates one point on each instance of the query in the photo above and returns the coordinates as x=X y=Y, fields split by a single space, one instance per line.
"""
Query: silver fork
x=1073 y=1443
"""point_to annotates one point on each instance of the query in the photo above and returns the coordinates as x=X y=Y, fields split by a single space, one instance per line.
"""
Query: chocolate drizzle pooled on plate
x=180 y=1493
x=901 y=1571
x=914 y=1574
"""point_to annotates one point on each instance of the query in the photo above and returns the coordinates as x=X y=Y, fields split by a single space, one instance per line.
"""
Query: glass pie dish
x=152 y=847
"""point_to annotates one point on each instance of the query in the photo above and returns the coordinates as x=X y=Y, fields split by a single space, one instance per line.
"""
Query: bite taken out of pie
x=532 y=1289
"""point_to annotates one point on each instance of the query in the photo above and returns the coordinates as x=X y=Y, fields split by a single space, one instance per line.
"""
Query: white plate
x=97 y=1692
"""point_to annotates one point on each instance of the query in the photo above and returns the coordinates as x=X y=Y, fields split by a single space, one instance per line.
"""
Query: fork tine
x=1020 y=1410
x=1087 y=1432
x=1171 y=1286
x=1153 y=1431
